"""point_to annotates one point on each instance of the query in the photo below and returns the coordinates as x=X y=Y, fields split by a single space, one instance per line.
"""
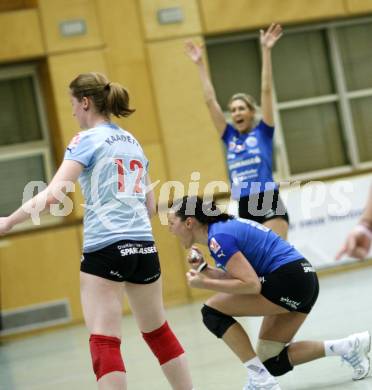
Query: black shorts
x=293 y=286
x=124 y=261
x=262 y=207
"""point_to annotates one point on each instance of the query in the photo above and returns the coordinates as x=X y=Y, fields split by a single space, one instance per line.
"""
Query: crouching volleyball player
x=257 y=274
x=119 y=251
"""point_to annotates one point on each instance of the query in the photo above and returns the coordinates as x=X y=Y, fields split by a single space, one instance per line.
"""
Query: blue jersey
x=249 y=160
x=113 y=183
x=263 y=248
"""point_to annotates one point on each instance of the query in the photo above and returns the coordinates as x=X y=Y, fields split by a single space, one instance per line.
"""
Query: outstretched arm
x=195 y=53
x=366 y=218
x=268 y=39
x=359 y=240
x=68 y=172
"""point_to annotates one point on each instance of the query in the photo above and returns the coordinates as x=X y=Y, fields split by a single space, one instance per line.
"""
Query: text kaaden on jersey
x=120 y=138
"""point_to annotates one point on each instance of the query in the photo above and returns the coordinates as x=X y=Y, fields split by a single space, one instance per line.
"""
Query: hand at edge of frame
x=357 y=244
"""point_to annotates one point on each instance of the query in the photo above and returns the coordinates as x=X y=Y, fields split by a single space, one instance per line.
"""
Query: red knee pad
x=163 y=343
x=106 y=356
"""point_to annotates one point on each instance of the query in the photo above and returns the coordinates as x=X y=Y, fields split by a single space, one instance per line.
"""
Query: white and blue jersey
x=113 y=183
x=263 y=248
x=249 y=160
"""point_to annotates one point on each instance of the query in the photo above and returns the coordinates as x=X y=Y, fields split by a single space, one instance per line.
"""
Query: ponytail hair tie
x=107 y=86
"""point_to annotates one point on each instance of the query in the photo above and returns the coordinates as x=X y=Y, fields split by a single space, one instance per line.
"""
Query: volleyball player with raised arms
x=120 y=256
x=249 y=141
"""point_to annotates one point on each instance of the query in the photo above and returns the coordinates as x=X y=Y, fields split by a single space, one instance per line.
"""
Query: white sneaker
x=257 y=383
x=360 y=345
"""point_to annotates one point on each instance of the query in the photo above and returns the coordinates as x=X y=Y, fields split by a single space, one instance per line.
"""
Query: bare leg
x=147 y=305
x=305 y=351
x=113 y=381
x=279 y=327
x=236 y=337
x=101 y=300
x=238 y=341
x=282 y=328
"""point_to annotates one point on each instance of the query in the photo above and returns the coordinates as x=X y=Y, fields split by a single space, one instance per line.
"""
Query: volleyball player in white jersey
x=119 y=252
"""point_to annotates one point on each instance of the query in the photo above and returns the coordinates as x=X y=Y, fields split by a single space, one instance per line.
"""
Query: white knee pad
x=267 y=349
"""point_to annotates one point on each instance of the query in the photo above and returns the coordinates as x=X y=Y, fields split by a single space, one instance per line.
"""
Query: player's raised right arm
x=195 y=53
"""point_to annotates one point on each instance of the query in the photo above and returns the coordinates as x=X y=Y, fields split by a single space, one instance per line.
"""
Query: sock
x=255 y=367
x=336 y=347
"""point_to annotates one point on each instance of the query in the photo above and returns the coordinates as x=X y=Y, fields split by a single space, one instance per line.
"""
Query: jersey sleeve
x=222 y=247
x=80 y=149
x=265 y=129
x=228 y=133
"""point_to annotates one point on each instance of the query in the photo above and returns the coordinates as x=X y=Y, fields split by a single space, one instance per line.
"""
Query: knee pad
x=106 y=356
x=215 y=321
x=280 y=364
x=163 y=343
x=267 y=349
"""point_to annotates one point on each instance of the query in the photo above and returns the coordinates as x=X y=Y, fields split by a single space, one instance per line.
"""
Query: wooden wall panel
x=359 y=6
x=220 y=17
x=154 y=30
x=127 y=63
x=49 y=273
x=191 y=143
x=22 y=38
x=173 y=265
x=12 y=5
x=62 y=69
x=157 y=168
x=55 y=134
x=171 y=254
x=30 y=3
x=54 y=12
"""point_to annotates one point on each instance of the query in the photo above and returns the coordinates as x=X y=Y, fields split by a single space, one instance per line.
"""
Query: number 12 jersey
x=113 y=183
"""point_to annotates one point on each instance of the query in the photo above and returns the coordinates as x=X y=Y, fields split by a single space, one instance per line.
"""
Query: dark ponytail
x=117 y=100
x=204 y=212
x=108 y=98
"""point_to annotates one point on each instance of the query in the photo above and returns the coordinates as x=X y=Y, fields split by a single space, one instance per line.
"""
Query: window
x=234 y=68
x=24 y=145
x=355 y=51
x=322 y=93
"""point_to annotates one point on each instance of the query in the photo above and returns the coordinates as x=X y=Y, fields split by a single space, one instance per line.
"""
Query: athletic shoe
x=258 y=383
x=357 y=357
